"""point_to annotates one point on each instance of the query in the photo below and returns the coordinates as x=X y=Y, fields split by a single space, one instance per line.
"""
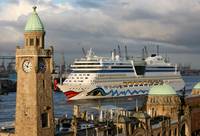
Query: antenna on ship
x=84 y=52
x=157 y=47
x=126 y=52
x=114 y=51
x=119 y=51
x=166 y=57
x=62 y=63
x=145 y=52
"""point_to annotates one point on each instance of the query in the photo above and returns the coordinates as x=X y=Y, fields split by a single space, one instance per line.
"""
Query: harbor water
x=61 y=106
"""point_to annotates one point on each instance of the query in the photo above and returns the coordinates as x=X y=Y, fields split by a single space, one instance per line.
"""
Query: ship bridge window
x=140 y=70
x=86 y=77
x=88 y=74
x=86 y=63
x=121 y=67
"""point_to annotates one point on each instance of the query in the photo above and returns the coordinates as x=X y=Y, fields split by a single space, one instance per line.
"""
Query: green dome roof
x=197 y=86
x=34 y=23
x=162 y=90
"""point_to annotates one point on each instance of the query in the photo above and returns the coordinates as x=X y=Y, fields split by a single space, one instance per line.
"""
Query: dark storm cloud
x=188 y=36
x=141 y=14
x=89 y=3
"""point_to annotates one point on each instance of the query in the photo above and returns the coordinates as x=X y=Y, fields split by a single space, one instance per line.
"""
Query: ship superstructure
x=95 y=77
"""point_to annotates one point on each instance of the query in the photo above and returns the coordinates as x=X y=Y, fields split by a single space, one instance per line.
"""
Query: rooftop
x=197 y=86
x=162 y=90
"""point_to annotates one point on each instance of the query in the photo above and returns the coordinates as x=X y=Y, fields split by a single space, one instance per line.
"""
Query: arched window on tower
x=26 y=42
x=37 y=41
x=31 y=42
x=152 y=112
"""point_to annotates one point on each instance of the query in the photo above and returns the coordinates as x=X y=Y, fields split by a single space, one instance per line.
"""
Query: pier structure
x=10 y=65
x=7 y=57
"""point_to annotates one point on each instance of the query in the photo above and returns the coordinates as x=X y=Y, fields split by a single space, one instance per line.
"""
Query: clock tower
x=34 y=102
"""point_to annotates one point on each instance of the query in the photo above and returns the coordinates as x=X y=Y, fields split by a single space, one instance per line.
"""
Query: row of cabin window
x=78 y=88
x=74 y=80
x=78 y=77
x=122 y=86
x=80 y=74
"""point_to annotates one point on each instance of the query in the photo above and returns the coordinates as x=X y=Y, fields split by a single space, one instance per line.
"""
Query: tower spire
x=34 y=8
x=34 y=31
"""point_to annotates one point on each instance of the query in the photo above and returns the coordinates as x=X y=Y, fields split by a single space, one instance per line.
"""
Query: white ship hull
x=95 y=77
x=119 y=89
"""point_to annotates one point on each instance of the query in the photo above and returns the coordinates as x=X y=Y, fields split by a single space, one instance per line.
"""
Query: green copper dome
x=197 y=86
x=162 y=90
x=34 y=23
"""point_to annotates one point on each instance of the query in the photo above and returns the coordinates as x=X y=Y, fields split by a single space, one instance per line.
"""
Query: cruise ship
x=96 y=77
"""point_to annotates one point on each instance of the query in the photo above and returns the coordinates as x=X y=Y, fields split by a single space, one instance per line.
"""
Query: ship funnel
x=113 y=55
x=90 y=54
x=158 y=51
x=117 y=57
x=119 y=51
x=126 y=53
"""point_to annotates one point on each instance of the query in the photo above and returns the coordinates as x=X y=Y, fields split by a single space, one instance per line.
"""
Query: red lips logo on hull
x=70 y=94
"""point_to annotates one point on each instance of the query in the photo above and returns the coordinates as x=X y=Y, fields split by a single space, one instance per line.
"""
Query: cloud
x=103 y=24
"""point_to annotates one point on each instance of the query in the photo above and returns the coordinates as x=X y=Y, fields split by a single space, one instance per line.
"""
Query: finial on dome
x=34 y=8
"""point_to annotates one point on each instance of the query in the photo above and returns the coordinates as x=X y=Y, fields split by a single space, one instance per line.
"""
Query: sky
x=71 y=25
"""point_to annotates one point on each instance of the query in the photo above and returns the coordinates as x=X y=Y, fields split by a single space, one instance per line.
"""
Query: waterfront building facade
x=163 y=101
x=193 y=106
x=164 y=115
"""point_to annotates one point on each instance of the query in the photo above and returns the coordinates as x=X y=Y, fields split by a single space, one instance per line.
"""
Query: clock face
x=27 y=66
x=41 y=65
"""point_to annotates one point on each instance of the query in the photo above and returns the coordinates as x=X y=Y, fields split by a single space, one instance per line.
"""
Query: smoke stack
x=145 y=52
x=115 y=53
x=157 y=50
x=119 y=51
x=126 y=52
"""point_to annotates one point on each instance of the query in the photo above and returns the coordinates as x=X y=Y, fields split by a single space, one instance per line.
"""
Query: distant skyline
x=103 y=24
